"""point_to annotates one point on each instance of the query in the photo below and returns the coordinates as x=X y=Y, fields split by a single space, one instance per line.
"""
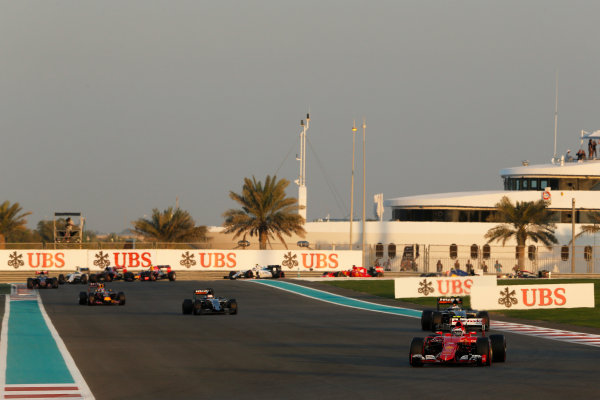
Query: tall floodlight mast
x=301 y=181
x=556 y=115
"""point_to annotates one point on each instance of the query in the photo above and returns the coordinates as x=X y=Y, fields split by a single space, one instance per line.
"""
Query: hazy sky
x=113 y=108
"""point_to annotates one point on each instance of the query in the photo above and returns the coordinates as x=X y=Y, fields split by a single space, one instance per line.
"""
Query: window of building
x=391 y=250
x=587 y=253
x=532 y=252
x=453 y=251
x=379 y=250
x=564 y=253
x=474 y=251
x=486 y=251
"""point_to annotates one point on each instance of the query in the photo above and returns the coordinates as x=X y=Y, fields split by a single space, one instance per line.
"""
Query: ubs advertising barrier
x=441 y=285
x=527 y=297
x=193 y=260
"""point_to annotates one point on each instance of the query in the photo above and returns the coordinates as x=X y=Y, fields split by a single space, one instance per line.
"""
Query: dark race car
x=457 y=347
x=110 y=274
x=444 y=319
x=205 y=302
x=42 y=281
x=81 y=275
x=97 y=294
x=158 y=272
x=270 y=271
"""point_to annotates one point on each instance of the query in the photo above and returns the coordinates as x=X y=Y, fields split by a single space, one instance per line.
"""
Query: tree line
x=267 y=213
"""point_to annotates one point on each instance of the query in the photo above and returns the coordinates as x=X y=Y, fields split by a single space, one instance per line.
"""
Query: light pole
x=301 y=181
x=364 y=126
x=573 y=236
x=352 y=184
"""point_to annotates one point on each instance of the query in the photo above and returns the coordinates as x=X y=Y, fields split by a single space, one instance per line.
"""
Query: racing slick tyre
x=232 y=275
x=232 y=307
x=486 y=319
x=282 y=274
x=249 y=274
x=83 y=298
x=485 y=349
x=54 y=283
x=107 y=277
x=171 y=276
x=121 y=298
x=498 y=348
x=128 y=277
x=83 y=279
x=187 y=306
x=61 y=279
x=152 y=277
x=426 y=320
x=93 y=278
x=436 y=320
x=29 y=283
x=416 y=347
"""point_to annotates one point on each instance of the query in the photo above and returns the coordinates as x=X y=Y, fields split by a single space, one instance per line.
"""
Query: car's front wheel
x=417 y=346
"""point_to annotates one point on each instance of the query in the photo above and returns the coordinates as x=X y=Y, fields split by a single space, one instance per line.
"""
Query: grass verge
x=574 y=316
x=4 y=288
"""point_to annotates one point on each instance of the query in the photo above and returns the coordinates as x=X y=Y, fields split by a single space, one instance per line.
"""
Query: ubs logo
x=426 y=287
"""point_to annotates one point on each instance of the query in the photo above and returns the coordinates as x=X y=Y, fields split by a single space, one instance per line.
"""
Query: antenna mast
x=556 y=115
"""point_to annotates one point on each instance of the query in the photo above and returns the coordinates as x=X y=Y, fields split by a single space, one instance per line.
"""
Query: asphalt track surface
x=285 y=346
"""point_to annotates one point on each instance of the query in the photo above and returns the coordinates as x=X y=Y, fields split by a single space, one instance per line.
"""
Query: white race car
x=81 y=275
x=270 y=271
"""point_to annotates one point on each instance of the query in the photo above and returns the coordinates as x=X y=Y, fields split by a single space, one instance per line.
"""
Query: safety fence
x=394 y=257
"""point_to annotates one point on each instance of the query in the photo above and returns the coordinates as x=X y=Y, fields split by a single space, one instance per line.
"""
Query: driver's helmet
x=457 y=331
x=455 y=305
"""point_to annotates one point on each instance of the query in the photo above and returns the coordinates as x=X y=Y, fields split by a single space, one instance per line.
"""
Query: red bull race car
x=110 y=274
x=158 y=272
x=205 y=302
x=458 y=347
x=42 y=281
x=98 y=295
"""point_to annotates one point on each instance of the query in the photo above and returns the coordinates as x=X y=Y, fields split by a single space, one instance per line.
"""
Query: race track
x=285 y=346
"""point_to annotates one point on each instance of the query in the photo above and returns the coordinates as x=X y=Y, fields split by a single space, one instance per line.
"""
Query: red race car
x=357 y=272
x=457 y=347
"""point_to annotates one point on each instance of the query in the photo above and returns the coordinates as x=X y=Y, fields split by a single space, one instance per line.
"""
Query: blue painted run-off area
x=32 y=355
x=341 y=300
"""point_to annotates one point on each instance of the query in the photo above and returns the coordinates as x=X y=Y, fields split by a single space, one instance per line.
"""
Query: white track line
x=588 y=339
x=79 y=381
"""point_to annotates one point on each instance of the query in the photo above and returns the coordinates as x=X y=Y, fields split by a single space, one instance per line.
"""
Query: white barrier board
x=528 y=297
x=440 y=285
x=193 y=260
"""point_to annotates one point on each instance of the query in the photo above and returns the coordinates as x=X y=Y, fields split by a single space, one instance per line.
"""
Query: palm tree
x=266 y=212
x=525 y=220
x=591 y=229
x=11 y=220
x=169 y=226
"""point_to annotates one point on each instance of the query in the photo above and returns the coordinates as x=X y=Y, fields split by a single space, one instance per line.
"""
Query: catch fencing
x=396 y=257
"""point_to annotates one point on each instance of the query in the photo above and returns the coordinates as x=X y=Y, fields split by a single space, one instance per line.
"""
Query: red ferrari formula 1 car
x=457 y=347
x=357 y=272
